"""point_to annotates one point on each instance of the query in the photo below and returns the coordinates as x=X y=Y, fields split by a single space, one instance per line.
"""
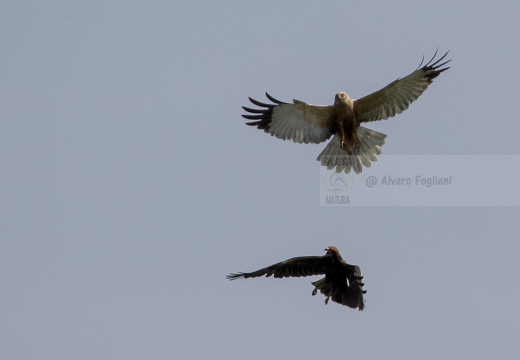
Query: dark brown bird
x=342 y=281
x=352 y=145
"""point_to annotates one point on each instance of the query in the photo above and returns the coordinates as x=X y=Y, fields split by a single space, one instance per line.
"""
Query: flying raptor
x=352 y=145
x=342 y=281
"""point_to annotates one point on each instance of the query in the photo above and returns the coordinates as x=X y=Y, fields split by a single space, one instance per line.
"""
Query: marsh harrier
x=342 y=281
x=352 y=145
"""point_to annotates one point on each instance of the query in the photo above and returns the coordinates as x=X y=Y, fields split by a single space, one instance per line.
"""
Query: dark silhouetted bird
x=352 y=145
x=342 y=281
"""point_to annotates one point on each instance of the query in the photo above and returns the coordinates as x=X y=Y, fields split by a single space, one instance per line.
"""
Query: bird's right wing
x=397 y=96
x=354 y=296
x=299 y=122
x=295 y=267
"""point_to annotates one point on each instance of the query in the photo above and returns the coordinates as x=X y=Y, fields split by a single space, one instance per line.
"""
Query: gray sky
x=130 y=186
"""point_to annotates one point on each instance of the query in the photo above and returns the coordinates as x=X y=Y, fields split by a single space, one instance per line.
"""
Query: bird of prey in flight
x=342 y=281
x=352 y=145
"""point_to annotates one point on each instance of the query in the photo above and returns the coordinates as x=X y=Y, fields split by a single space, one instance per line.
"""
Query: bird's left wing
x=295 y=267
x=397 y=96
x=299 y=121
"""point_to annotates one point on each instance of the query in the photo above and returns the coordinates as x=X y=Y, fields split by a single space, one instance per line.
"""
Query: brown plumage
x=342 y=281
x=352 y=145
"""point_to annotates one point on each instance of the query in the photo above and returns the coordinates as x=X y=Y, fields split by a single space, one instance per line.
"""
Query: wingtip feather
x=233 y=276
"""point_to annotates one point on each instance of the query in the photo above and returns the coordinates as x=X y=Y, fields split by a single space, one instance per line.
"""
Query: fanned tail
x=334 y=156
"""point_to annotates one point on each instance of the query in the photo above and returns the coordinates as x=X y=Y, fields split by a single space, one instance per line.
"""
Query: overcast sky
x=130 y=186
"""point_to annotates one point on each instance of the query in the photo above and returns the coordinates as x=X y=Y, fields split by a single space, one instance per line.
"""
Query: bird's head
x=341 y=98
x=332 y=251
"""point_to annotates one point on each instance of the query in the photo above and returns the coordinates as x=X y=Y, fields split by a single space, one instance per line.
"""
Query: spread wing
x=295 y=267
x=299 y=121
x=397 y=96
